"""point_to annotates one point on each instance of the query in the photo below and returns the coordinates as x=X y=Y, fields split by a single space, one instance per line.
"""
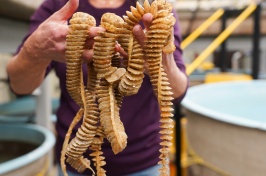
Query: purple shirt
x=139 y=113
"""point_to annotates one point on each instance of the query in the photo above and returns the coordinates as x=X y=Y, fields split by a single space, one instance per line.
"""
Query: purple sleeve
x=178 y=39
x=178 y=54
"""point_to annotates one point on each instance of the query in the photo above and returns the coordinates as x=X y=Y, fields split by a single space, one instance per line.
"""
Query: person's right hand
x=49 y=39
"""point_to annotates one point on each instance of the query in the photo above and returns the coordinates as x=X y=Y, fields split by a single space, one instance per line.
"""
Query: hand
x=48 y=42
x=140 y=34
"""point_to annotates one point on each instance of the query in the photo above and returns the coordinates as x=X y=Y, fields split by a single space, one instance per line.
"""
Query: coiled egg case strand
x=75 y=40
x=158 y=37
x=132 y=80
x=109 y=117
x=95 y=147
x=104 y=48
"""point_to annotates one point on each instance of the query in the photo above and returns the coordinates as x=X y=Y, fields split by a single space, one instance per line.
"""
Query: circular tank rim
x=49 y=141
x=228 y=118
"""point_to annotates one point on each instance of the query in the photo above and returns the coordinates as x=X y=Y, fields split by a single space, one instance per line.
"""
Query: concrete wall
x=11 y=34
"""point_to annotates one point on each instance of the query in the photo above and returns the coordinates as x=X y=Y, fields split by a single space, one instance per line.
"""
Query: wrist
x=169 y=63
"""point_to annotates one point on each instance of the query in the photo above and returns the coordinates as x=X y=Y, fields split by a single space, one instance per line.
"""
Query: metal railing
x=222 y=37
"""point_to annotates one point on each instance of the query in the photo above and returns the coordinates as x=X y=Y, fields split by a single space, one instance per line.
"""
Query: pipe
x=249 y=10
x=214 y=17
x=235 y=61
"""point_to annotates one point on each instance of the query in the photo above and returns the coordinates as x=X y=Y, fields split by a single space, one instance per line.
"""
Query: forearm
x=26 y=71
x=177 y=79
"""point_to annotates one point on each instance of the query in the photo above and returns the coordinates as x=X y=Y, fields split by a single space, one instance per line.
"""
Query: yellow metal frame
x=196 y=33
x=224 y=35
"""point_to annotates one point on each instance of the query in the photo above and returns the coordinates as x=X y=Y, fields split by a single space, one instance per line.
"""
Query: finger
x=66 y=11
x=95 y=31
x=89 y=44
x=147 y=19
x=119 y=49
x=87 y=56
x=139 y=34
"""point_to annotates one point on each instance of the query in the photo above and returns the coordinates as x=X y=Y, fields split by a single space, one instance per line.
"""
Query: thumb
x=66 y=11
x=147 y=19
x=139 y=34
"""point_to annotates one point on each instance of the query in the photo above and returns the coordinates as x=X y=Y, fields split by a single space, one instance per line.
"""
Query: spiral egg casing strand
x=123 y=39
x=98 y=159
x=132 y=80
x=80 y=164
x=102 y=60
x=108 y=74
x=104 y=48
x=84 y=135
x=117 y=62
x=75 y=40
x=87 y=131
x=93 y=80
x=125 y=32
x=165 y=98
x=74 y=122
x=109 y=117
x=157 y=40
